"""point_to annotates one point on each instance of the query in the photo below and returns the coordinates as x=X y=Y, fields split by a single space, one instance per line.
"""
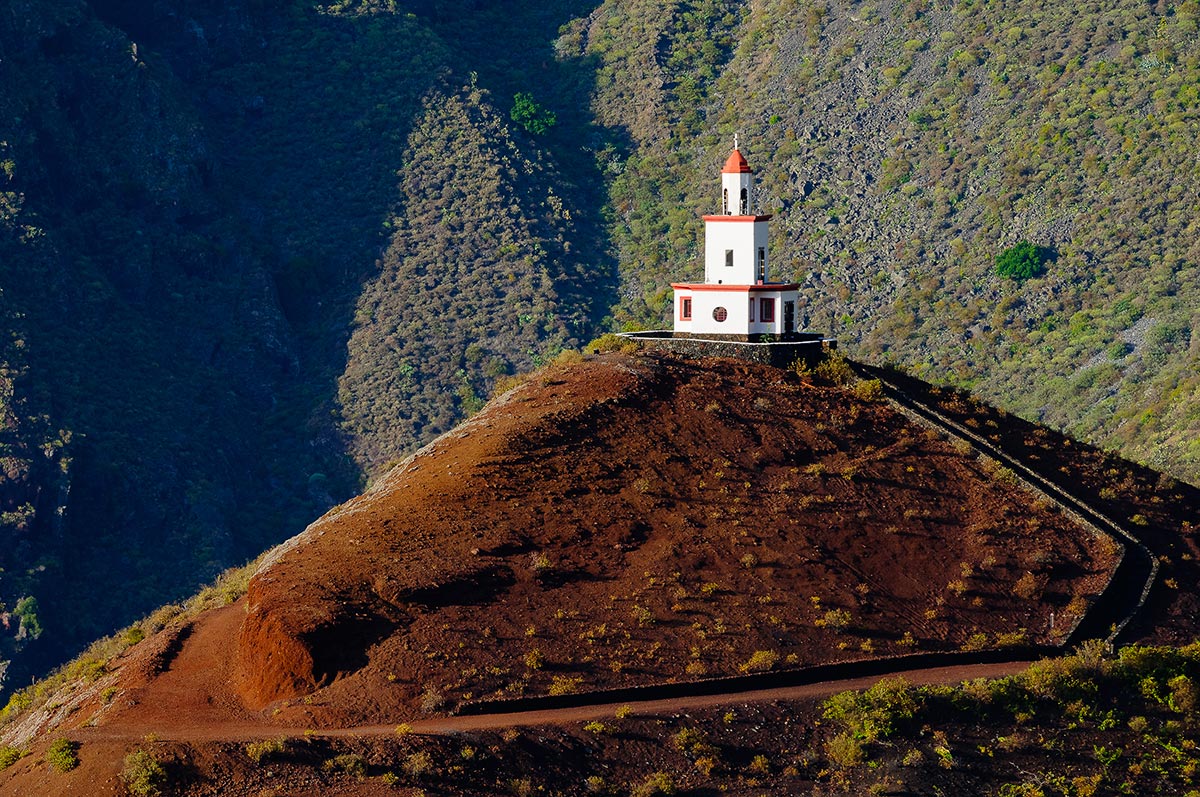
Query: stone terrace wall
x=779 y=353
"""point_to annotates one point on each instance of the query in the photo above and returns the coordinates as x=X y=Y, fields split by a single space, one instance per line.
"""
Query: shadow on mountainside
x=203 y=262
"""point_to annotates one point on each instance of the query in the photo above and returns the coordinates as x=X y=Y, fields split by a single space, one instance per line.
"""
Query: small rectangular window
x=685 y=308
x=751 y=308
x=762 y=264
x=729 y=258
x=766 y=309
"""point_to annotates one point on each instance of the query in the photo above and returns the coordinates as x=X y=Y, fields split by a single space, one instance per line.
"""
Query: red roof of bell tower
x=736 y=164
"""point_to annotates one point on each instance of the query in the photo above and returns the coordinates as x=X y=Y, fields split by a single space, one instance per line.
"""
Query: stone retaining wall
x=811 y=348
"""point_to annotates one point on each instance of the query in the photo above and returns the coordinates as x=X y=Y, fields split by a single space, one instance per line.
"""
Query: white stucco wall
x=744 y=238
x=737 y=307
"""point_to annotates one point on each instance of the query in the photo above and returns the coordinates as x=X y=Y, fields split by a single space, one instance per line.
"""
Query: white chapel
x=737 y=297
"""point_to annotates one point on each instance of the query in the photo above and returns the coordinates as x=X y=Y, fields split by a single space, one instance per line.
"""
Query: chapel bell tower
x=737 y=298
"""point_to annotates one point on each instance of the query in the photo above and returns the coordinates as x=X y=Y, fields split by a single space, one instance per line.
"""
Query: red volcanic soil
x=632 y=520
x=1162 y=512
x=627 y=520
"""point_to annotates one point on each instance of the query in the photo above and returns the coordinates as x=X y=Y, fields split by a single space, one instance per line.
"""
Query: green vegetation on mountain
x=1022 y=261
x=903 y=146
x=531 y=116
x=469 y=288
x=1079 y=725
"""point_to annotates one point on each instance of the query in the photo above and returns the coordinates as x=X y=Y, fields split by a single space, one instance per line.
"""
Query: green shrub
x=869 y=390
x=760 y=661
x=432 y=700
x=1022 y=261
x=844 y=751
x=875 y=713
x=610 y=341
x=61 y=754
x=9 y=756
x=350 y=764
x=693 y=743
x=658 y=783
x=418 y=764
x=834 y=618
x=564 y=685
x=1184 y=696
x=143 y=775
x=26 y=611
x=257 y=751
x=530 y=115
x=834 y=370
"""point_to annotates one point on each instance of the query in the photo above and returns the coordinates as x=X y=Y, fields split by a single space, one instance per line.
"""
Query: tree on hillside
x=1022 y=261
x=528 y=114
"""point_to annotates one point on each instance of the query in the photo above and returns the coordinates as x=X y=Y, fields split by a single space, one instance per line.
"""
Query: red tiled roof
x=736 y=164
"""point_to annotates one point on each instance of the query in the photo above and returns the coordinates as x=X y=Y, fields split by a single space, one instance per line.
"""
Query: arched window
x=725 y=201
x=745 y=202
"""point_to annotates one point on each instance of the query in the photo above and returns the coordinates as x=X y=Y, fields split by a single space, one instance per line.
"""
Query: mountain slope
x=193 y=203
x=218 y=233
x=902 y=147
x=479 y=280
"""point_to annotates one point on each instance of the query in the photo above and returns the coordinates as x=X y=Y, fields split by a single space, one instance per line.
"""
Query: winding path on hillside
x=1130 y=585
x=466 y=723
x=658 y=708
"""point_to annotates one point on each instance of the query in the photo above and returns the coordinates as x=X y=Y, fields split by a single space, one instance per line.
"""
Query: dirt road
x=243 y=731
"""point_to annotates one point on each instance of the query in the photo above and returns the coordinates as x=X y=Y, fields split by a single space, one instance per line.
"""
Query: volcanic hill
x=624 y=520
x=634 y=520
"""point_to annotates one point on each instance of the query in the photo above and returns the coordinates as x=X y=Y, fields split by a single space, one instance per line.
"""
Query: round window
x=720 y=313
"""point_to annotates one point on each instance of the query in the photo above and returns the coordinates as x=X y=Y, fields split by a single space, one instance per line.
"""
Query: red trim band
x=709 y=286
x=720 y=217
